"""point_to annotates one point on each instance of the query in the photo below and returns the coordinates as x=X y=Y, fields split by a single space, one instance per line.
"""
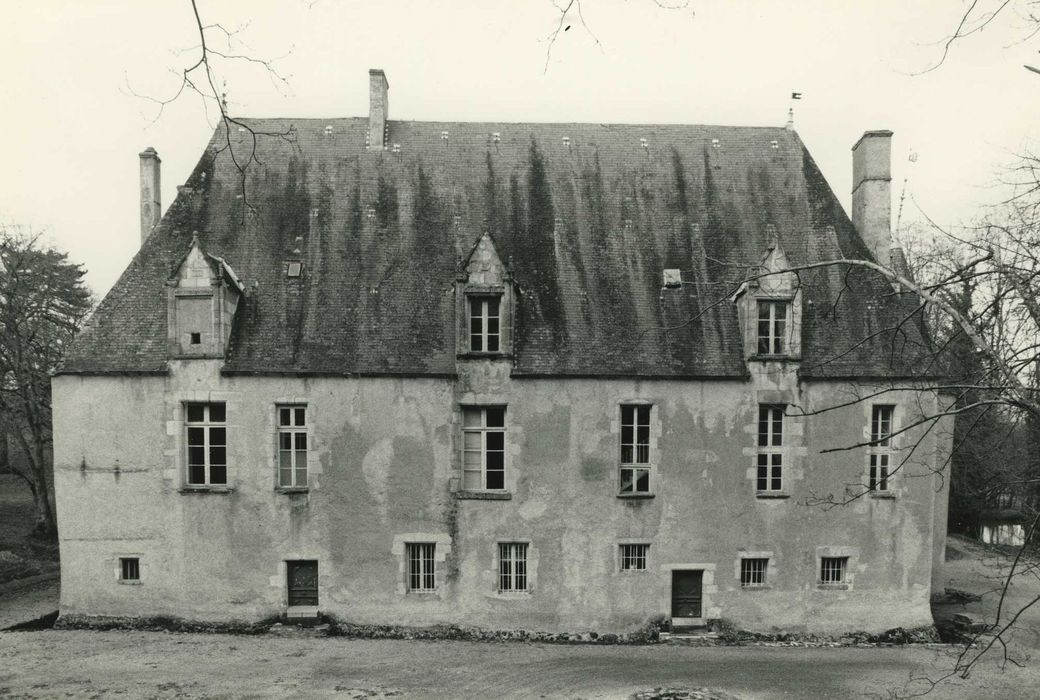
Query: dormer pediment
x=484 y=267
x=485 y=303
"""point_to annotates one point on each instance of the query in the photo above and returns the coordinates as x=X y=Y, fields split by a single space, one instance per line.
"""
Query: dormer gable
x=203 y=294
x=484 y=291
x=769 y=305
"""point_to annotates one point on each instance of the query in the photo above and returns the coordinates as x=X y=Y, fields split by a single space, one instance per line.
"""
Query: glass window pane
x=285 y=477
x=496 y=440
x=218 y=436
x=471 y=417
x=471 y=459
x=218 y=474
x=496 y=417
x=643 y=434
x=642 y=454
x=492 y=343
x=196 y=436
x=475 y=306
x=627 y=415
x=301 y=460
x=301 y=477
x=217 y=455
x=471 y=440
x=626 y=454
x=283 y=416
x=492 y=306
x=217 y=413
x=496 y=479
x=476 y=326
x=285 y=441
x=643 y=483
x=284 y=459
x=301 y=441
x=492 y=326
x=196 y=412
x=197 y=474
x=197 y=455
x=626 y=434
x=301 y=416
x=495 y=460
x=471 y=480
x=643 y=413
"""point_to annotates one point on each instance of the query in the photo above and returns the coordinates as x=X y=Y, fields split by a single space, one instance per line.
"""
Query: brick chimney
x=377 y=109
x=151 y=209
x=872 y=192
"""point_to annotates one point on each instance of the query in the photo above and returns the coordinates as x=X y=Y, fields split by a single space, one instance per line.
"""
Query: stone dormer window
x=485 y=302
x=770 y=308
x=203 y=296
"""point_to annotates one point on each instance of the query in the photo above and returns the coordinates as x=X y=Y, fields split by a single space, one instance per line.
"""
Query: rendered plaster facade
x=385 y=464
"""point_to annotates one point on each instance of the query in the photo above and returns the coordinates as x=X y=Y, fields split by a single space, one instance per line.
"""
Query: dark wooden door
x=303 y=582
x=686 y=593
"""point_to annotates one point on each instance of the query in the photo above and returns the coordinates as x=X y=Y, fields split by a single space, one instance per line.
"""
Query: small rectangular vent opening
x=196 y=339
x=293 y=269
x=672 y=278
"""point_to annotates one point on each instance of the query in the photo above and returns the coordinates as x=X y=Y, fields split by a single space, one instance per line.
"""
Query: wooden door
x=303 y=582
x=687 y=593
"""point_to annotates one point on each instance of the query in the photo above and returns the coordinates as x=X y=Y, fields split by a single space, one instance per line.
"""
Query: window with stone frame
x=292 y=446
x=206 y=440
x=880 y=448
x=485 y=330
x=635 y=449
x=129 y=569
x=512 y=567
x=483 y=448
x=770 y=459
x=772 y=326
x=421 y=566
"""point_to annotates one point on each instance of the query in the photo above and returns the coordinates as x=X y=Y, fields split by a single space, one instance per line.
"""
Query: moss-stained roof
x=585 y=229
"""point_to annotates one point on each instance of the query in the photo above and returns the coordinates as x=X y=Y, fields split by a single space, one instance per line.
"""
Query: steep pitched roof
x=585 y=227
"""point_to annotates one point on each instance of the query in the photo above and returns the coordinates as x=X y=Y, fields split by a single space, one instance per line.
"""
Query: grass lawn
x=21 y=555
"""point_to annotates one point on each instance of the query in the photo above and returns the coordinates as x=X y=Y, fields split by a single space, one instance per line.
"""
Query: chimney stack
x=151 y=209
x=872 y=192
x=377 y=109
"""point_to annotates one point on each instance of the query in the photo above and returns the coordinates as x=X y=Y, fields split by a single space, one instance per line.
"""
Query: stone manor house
x=510 y=376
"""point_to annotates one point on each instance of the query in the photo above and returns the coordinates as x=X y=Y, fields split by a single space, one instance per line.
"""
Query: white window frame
x=483 y=335
x=639 y=458
x=421 y=567
x=633 y=556
x=771 y=454
x=207 y=425
x=880 y=450
x=513 y=571
x=776 y=326
x=481 y=451
x=752 y=568
x=294 y=430
x=831 y=566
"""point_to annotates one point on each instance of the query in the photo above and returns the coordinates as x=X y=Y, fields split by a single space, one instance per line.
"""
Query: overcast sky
x=73 y=127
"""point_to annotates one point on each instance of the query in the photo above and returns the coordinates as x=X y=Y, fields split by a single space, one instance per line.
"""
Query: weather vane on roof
x=790 y=110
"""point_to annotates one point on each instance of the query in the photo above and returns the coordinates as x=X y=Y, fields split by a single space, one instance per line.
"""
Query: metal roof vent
x=370 y=212
x=496 y=137
x=328 y=130
x=672 y=278
x=457 y=220
x=396 y=148
x=444 y=136
x=643 y=143
x=314 y=212
x=293 y=269
x=567 y=142
x=774 y=144
x=715 y=143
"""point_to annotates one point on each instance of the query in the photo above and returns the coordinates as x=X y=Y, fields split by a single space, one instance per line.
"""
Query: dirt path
x=81 y=664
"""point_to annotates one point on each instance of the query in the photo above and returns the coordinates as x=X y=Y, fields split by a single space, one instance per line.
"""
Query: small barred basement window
x=129 y=569
x=633 y=557
x=832 y=569
x=753 y=572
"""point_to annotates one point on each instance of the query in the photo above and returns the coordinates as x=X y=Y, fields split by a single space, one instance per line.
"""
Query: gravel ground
x=87 y=664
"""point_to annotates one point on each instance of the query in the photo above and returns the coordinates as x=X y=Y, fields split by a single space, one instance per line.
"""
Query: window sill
x=756 y=587
x=484 y=495
x=882 y=494
x=129 y=583
x=767 y=495
x=476 y=355
x=776 y=358
x=223 y=490
x=198 y=356
x=635 y=496
x=292 y=489
x=832 y=586
x=423 y=594
x=512 y=595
